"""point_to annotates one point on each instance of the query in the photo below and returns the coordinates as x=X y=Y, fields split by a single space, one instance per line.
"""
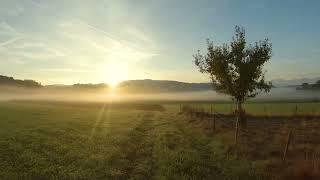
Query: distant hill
x=293 y=82
x=146 y=85
x=152 y=86
x=78 y=86
x=10 y=81
x=140 y=86
x=130 y=86
x=307 y=86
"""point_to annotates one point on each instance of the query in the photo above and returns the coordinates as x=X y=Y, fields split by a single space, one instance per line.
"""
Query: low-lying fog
x=279 y=93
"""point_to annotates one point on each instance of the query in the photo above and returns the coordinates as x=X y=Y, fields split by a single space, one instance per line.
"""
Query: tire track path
x=134 y=159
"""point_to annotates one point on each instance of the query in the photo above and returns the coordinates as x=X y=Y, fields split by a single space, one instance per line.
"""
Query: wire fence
x=289 y=139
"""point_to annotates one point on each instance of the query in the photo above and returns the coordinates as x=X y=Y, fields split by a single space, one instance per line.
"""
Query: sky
x=100 y=41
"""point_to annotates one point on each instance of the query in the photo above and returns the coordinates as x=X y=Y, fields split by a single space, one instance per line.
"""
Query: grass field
x=64 y=141
x=121 y=141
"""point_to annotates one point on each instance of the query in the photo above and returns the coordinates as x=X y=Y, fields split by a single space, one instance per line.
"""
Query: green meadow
x=57 y=140
x=70 y=141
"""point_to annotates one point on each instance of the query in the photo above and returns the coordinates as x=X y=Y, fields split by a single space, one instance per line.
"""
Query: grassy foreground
x=70 y=141
x=59 y=140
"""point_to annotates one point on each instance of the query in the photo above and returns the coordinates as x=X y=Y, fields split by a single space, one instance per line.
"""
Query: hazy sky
x=69 y=41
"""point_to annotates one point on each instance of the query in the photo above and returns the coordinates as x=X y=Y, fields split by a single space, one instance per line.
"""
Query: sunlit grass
x=40 y=140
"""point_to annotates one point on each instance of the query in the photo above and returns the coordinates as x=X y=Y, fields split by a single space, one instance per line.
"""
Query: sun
x=115 y=73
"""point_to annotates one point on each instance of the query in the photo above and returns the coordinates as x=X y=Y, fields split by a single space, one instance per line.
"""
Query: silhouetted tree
x=236 y=69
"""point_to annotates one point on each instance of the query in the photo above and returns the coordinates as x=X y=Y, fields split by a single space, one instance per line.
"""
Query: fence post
x=265 y=110
x=214 y=122
x=305 y=148
x=265 y=120
x=296 y=110
x=202 y=113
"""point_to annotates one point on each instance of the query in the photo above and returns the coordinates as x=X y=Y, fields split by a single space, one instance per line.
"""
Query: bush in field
x=236 y=69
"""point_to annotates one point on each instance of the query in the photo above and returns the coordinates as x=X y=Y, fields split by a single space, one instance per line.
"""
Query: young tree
x=236 y=69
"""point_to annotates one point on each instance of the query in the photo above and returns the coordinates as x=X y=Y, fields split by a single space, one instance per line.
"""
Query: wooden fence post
x=265 y=110
x=214 y=123
x=296 y=110
x=202 y=113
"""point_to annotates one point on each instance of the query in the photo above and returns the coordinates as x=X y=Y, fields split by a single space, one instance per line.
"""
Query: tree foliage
x=236 y=69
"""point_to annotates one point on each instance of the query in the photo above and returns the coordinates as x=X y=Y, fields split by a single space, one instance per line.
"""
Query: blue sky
x=100 y=41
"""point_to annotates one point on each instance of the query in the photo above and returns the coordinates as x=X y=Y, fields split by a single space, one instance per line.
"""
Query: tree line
x=10 y=81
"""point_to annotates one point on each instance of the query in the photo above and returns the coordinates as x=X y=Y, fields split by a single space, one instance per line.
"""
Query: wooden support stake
x=236 y=136
x=287 y=146
x=236 y=133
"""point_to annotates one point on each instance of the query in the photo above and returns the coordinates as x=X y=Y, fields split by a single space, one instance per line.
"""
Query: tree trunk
x=241 y=116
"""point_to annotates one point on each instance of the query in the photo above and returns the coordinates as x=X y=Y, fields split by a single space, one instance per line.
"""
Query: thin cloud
x=138 y=34
x=8 y=31
x=10 y=41
x=6 y=28
x=101 y=42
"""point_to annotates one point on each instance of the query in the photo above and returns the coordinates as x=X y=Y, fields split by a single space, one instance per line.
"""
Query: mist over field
x=105 y=95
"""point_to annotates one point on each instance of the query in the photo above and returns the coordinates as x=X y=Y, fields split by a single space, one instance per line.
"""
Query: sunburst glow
x=115 y=73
